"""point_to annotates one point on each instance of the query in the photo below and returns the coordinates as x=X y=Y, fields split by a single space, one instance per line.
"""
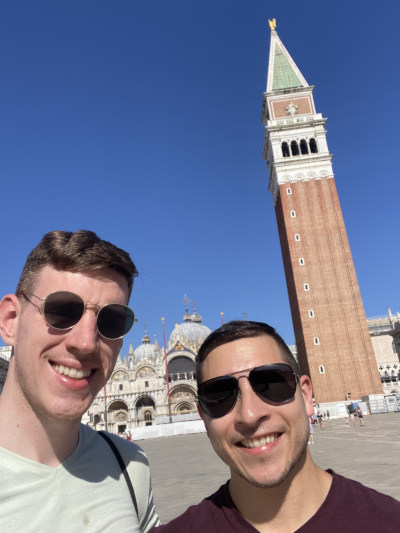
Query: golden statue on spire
x=272 y=24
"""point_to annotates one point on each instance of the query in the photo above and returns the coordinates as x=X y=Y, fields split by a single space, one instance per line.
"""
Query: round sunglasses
x=274 y=383
x=63 y=310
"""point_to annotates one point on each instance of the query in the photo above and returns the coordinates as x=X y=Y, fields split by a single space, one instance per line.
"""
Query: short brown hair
x=81 y=251
x=241 y=329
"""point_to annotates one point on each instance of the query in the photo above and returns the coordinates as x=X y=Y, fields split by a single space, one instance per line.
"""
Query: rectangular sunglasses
x=62 y=310
x=275 y=383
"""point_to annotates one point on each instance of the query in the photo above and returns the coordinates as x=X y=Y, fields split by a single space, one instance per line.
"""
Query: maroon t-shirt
x=350 y=507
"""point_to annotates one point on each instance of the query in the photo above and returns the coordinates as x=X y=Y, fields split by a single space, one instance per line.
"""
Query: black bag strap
x=123 y=467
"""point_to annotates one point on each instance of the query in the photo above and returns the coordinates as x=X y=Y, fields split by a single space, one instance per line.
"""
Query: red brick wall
x=345 y=348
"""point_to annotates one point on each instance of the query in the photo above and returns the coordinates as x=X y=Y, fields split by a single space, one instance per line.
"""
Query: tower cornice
x=291 y=90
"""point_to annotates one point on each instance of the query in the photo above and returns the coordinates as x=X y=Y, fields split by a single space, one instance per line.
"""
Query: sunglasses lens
x=115 y=320
x=62 y=309
x=217 y=396
x=275 y=383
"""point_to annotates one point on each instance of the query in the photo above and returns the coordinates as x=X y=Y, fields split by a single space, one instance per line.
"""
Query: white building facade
x=5 y=354
x=139 y=392
x=385 y=336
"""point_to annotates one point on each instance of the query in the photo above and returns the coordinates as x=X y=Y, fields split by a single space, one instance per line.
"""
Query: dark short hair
x=241 y=329
x=79 y=251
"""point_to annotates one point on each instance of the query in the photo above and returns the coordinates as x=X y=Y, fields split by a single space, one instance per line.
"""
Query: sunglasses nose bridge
x=250 y=407
x=96 y=308
x=238 y=384
x=238 y=380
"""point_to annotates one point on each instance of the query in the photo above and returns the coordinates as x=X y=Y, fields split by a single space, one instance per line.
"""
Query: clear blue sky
x=140 y=120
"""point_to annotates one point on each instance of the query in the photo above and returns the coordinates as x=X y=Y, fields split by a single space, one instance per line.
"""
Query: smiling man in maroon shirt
x=255 y=406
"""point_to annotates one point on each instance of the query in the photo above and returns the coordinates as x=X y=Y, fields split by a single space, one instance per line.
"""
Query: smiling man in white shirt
x=66 y=324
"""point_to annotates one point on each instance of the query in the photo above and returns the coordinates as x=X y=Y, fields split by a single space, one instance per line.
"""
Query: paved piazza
x=185 y=468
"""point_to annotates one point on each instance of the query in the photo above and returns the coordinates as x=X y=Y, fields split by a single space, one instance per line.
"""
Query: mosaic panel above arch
x=120 y=375
x=184 y=407
x=145 y=372
x=183 y=393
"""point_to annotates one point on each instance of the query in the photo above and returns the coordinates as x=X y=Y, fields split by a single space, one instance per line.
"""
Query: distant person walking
x=352 y=412
x=321 y=420
x=360 y=416
x=311 y=436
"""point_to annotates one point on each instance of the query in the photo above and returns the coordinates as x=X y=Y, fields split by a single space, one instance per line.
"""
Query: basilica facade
x=151 y=386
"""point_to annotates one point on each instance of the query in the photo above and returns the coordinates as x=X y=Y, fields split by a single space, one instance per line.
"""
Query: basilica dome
x=146 y=350
x=190 y=333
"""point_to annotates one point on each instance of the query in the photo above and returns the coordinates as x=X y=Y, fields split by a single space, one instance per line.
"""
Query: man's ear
x=306 y=389
x=10 y=309
x=202 y=415
x=200 y=411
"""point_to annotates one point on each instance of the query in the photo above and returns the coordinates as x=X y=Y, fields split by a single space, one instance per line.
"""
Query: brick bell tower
x=333 y=343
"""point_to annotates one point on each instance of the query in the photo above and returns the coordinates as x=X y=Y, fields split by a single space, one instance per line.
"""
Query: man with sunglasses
x=66 y=323
x=255 y=406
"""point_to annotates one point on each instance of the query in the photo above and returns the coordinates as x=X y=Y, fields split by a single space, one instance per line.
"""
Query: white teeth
x=256 y=443
x=72 y=372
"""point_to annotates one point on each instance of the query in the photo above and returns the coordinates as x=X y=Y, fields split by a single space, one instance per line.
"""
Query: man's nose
x=250 y=408
x=83 y=337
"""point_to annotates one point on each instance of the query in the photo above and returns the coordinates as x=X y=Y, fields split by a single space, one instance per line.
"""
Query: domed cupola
x=191 y=333
x=195 y=317
x=146 y=350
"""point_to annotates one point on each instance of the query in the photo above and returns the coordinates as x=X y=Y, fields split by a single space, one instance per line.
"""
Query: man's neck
x=35 y=436
x=285 y=507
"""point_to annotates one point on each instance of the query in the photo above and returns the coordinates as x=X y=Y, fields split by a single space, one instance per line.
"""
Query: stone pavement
x=185 y=468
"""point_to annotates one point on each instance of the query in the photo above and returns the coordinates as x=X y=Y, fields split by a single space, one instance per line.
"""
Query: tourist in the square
x=321 y=420
x=65 y=323
x=360 y=416
x=352 y=412
x=255 y=406
x=311 y=428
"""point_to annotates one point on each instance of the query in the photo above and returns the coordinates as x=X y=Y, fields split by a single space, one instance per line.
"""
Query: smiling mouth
x=256 y=443
x=72 y=373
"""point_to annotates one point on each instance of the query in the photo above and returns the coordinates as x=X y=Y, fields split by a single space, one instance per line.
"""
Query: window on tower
x=297 y=237
x=288 y=190
x=303 y=146
x=301 y=261
x=285 y=150
x=306 y=287
x=295 y=148
x=293 y=214
x=316 y=341
x=311 y=313
x=313 y=146
x=321 y=369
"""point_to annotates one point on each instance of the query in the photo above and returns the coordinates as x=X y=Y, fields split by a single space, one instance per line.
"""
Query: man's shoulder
x=214 y=514
x=354 y=491
x=128 y=449
x=353 y=507
x=195 y=519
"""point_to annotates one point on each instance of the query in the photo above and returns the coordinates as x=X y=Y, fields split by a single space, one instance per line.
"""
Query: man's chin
x=267 y=482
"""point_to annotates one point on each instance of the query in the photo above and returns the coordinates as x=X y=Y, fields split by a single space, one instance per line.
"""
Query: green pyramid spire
x=284 y=75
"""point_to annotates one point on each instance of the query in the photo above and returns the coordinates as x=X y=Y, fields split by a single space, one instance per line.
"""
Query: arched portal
x=183 y=399
x=96 y=420
x=181 y=367
x=145 y=411
x=117 y=417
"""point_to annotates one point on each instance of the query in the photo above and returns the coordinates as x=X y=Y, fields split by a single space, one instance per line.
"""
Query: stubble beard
x=294 y=465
